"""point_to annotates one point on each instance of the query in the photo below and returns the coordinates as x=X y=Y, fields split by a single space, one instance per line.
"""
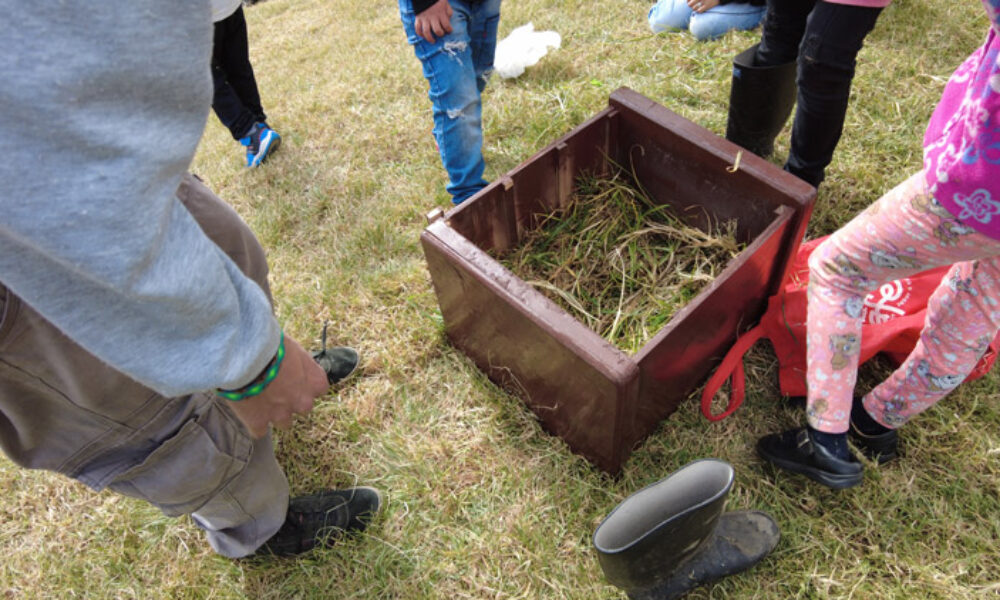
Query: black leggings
x=236 y=100
x=825 y=39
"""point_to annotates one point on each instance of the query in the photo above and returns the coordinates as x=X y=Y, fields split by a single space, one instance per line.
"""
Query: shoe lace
x=323 y=337
x=254 y=146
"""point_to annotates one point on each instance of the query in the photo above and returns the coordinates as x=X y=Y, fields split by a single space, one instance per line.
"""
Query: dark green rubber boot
x=673 y=536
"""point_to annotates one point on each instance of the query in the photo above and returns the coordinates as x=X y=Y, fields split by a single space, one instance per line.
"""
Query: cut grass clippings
x=618 y=261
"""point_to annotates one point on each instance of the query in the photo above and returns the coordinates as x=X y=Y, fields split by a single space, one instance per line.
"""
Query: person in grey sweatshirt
x=138 y=347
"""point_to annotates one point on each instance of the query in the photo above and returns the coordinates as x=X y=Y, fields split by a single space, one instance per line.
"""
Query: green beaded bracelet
x=263 y=380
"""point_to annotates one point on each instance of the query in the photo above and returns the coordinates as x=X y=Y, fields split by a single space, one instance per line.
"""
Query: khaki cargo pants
x=63 y=410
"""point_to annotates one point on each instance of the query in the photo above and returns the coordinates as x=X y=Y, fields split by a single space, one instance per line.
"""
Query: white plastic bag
x=522 y=48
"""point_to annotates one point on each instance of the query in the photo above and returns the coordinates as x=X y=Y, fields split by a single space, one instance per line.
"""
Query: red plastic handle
x=731 y=366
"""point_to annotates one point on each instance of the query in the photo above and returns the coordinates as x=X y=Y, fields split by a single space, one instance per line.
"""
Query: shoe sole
x=354 y=369
x=831 y=480
x=346 y=376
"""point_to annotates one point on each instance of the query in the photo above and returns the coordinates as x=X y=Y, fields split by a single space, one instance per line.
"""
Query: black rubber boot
x=672 y=536
x=760 y=100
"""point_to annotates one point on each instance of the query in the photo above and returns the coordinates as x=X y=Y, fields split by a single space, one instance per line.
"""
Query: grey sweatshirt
x=102 y=105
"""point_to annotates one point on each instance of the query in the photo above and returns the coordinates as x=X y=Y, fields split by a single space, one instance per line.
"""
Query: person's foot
x=321 y=519
x=260 y=143
x=879 y=447
x=878 y=443
x=795 y=450
x=339 y=362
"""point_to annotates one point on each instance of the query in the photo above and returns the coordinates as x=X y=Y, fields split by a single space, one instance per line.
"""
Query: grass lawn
x=482 y=503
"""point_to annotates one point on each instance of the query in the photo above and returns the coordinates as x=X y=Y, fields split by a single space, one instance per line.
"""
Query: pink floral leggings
x=903 y=233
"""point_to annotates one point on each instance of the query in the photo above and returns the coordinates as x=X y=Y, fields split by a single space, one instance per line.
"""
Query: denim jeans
x=825 y=38
x=714 y=22
x=457 y=67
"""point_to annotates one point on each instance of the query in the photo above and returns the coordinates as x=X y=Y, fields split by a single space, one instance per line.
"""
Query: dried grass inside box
x=597 y=398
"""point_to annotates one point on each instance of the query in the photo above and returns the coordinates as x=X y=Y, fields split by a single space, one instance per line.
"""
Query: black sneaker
x=879 y=447
x=339 y=362
x=322 y=518
x=794 y=450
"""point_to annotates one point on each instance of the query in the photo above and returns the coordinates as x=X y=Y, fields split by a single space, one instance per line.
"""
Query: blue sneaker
x=260 y=143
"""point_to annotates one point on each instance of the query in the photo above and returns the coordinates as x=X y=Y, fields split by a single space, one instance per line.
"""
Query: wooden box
x=597 y=398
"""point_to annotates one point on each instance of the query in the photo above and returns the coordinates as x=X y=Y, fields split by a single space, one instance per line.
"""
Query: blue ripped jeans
x=456 y=67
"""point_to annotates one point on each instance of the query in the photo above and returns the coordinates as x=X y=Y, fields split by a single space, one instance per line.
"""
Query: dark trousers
x=236 y=101
x=825 y=39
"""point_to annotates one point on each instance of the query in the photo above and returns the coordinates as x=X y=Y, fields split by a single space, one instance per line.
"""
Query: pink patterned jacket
x=962 y=143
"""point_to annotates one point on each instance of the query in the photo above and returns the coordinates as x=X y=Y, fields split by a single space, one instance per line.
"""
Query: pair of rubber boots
x=760 y=100
x=673 y=536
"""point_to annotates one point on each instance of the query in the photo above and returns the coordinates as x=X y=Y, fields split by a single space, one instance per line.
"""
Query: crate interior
x=670 y=166
x=671 y=170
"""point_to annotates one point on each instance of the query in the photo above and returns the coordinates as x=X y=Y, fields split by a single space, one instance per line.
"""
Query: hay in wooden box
x=618 y=261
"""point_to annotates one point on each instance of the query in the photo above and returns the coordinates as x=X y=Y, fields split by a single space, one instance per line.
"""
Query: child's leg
x=962 y=319
x=833 y=38
x=456 y=106
x=483 y=38
x=717 y=20
x=669 y=14
x=903 y=233
x=781 y=34
x=236 y=100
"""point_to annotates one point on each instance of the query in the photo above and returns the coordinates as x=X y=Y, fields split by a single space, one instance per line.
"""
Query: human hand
x=700 y=6
x=300 y=380
x=436 y=20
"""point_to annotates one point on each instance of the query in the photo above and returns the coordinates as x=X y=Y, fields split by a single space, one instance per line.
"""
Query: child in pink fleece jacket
x=949 y=213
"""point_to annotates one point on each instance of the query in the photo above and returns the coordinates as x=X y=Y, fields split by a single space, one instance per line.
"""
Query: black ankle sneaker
x=795 y=450
x=877 y=447
x=876 y=441
x=339 y=362
x=322 y=518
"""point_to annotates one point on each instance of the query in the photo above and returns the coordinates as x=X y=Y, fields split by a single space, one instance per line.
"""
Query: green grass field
x=481 y=502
